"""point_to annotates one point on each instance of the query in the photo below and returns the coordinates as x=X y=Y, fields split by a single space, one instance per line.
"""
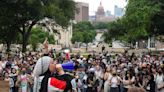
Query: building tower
x=83 y=12
x=118 y=11
x=100 y=12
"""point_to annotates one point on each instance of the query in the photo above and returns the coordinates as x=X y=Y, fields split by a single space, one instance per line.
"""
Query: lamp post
x=155 y=31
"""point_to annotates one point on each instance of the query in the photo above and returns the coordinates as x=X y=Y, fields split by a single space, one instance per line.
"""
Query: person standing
x=23 y=80
x=10 y=80
x=114 y=82
x=151 y=84
x=107 y=76
x=99 y=77
x=91 y=80
x=14 y=76
x=160 y=81
x=44 y=79
x=103 y=48
x=76 y=84
x=128 y=81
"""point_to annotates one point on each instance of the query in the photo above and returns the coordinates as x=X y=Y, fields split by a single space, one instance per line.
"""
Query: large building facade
x=82 y=13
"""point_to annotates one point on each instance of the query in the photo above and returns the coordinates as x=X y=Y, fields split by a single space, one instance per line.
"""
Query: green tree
x=101 y=25
x=26 y=13
x=8 y=32
x=77 y=37
x=157 y=20
x=83 y=32
x=138 y=18
x=88 y=36
x=116 y=30
x=139 y=21
x=38 y=36
x=83 y=26
x=8 y=36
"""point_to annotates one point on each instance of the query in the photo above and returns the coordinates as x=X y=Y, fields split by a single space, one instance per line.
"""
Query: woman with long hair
x=151 y=83
x=114 y=82
x=107 y=76
x=160 y=80
x=128 y=81
x=91 y=80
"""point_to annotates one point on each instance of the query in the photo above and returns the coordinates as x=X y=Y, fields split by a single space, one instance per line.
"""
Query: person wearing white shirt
x=114 y=83
x=160 y=81
x=128 y=81
x=76 y=84
x=99 y=76
x=107 y=76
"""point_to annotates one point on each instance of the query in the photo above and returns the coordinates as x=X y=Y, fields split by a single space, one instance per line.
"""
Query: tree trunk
x=25 y=41
x=8 y=46
x=86 y=47
x=24 y=44
x=34 y=46
x=25 y=35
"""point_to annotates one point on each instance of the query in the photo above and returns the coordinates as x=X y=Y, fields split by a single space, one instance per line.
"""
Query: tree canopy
x=83 y=32
x=38 y=36
x=83 y=26
x=101 y=25
x=142 y=19
x=24 y=14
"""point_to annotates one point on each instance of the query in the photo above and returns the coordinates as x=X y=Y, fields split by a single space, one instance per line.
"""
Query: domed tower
x=100 y=12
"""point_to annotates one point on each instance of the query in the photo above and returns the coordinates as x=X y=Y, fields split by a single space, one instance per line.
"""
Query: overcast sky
x=108 y=4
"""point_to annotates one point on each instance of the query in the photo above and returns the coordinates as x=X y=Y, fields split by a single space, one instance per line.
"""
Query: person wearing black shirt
x=151 y=83
x=138 y=82
x=67 y=78
x=13 y=75
x=103 y=48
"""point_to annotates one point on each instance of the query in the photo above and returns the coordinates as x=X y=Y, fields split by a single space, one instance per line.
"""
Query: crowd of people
x=97 y=72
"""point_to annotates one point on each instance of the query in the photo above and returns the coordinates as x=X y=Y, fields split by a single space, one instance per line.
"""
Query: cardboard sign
x=4 y=86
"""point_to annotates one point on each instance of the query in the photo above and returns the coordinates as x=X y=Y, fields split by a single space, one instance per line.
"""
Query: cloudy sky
x=108 y=4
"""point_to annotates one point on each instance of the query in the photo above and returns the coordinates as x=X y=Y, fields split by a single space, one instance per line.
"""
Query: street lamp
x=155 y=32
